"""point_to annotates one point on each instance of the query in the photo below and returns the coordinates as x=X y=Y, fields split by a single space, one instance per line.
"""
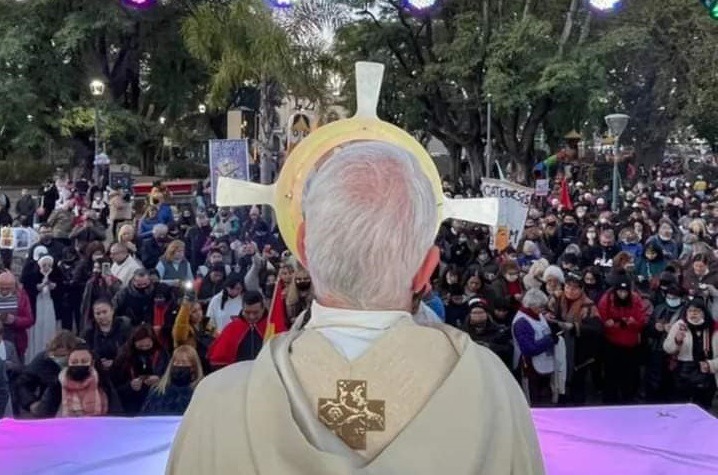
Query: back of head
x=370 y=215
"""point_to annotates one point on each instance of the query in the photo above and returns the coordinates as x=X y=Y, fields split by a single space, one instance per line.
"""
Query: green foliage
x=25 y=172
x=239 y=43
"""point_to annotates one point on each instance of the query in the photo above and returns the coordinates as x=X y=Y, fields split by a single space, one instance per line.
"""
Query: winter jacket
x=4 y=389
x=61 y=221
x=151 y=252
x=671 y=249
x=173 y=402
x=684 y=352
x=623 y=333
x=16 y=332
x=39 y=383
x=135 y=305
x=106 y=345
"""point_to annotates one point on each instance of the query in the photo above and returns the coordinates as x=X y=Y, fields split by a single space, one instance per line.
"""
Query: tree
x=443 y=67
x=658 y=60
x=52 y=49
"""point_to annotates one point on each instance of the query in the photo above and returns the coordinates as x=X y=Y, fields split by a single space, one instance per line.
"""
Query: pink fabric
x=640 y=440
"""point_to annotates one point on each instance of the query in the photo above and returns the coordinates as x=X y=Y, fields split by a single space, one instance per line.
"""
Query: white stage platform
x=639 y=440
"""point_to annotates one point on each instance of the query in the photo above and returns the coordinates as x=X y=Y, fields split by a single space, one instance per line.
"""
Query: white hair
x=554 y=271
x=371 y=218
x=158 y=229
x=534 y=298
x=38 y=252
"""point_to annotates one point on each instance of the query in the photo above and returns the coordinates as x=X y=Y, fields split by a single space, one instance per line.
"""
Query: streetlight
x=488 y=136
x=97 y=89
x=616 y=124
x=202 y=108
x=604 y=5
x=163 y=120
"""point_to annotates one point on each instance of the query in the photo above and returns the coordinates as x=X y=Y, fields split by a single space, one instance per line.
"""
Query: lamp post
x=616 y=124
x=488 y=137
x=97 y=89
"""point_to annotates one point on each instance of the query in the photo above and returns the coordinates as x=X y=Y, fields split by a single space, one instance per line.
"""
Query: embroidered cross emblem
x=351 y=414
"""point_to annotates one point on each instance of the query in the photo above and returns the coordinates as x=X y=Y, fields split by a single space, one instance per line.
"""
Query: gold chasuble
x=420 y=401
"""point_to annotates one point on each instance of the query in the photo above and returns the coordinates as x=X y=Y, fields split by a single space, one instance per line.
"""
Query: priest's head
x=370 y=219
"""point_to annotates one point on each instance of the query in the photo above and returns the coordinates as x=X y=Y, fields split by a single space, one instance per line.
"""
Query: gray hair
x=371 y=217
x=159 y=229
x=534 y=298
x=554 y=271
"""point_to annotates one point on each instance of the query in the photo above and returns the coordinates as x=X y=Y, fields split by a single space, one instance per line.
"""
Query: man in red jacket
x=15 y=312
x=623 y=315
x=242 y=339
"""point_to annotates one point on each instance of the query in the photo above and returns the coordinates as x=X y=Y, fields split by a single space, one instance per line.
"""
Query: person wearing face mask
x=664 y=239
x=659 y=387
x=225 y=223
x=196 y=241
x=623 y=314
x=139 y=364
x=485 y=264
x=480 y=325
x=578 y=317
x=631 y=244
x=137 y=300
x=508 y=286
x=568 y=233
x=650 y=266
x=154 y=246
x=228 y=303
x=174 y=269
x=37 y=387
x=255 y=228
x=602 y=256
x=700 y=278
x=243 y=337
x=694 y=343
x=86 y=391
x=300 y=295
x=534 y=343
x=174 y=391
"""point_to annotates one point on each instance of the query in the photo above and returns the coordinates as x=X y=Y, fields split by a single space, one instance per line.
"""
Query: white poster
x=542 y=187
x=514 y=203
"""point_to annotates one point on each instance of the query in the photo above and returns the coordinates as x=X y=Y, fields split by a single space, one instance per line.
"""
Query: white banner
x=514 y=203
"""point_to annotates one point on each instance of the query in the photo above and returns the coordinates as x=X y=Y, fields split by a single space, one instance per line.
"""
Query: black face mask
x=78 y=373
x=303 y=286
x=181 y=376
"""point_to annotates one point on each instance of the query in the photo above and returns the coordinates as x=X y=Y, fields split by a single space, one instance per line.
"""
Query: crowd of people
x=119 y=312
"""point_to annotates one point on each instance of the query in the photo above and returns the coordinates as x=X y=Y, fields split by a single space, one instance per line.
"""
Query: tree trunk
x=474 y=154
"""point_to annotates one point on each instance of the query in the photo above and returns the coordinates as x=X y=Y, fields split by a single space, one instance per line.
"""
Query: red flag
x=277 y=321
x=565 y=196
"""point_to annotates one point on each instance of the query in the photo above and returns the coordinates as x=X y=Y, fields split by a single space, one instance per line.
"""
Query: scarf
x=9 y=304
x=701 y=334
x=82 y=398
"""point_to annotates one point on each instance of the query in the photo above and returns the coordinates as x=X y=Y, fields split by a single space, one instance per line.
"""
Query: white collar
x=322 y=317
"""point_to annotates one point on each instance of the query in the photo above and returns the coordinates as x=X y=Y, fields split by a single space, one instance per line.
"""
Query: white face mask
x=591 y=235
x=512 y=278
x=673 y=302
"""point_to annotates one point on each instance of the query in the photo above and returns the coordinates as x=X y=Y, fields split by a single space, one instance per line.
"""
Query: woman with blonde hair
x=126 y=236
x=192 y=328
x=174 y=391
x=300 y=294
x=148 y=222
x=173 y=267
